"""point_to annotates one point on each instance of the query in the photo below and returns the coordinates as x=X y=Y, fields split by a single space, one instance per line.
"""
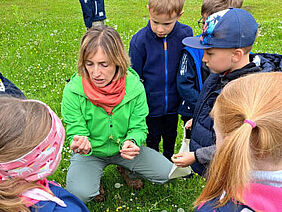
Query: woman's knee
x=84 y=193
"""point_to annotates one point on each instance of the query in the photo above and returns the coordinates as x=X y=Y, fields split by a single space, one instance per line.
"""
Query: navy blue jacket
x=73 y=203
x=203 y=134
x=157 y=66
x=228 y=207
x=9 y=89
x=190 y=78
x=92 y=11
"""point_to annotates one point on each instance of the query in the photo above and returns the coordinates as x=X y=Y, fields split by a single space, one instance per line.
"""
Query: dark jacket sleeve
x=137 y=57
x=204 y=155
x=187 y=80
x=9 y=89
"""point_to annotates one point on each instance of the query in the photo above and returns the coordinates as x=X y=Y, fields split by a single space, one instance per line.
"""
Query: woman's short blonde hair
x=109 y=40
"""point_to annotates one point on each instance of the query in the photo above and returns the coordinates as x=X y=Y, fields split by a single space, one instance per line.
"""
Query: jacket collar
x=247 y=69
x=263 y=197
x=132 y=87
x=168 y=36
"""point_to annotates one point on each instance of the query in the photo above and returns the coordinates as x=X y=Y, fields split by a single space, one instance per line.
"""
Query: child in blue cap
x=192 y=72
x=227 y=38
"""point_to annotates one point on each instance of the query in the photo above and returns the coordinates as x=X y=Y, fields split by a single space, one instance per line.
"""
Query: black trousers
x=165 y=127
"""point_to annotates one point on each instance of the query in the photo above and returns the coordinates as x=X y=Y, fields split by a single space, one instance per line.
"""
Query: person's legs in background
x=93 y=12
x=169 y=133
x=154 y=132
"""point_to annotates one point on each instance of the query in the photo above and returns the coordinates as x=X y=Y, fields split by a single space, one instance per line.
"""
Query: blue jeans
x=92 y=11
x=85 y=172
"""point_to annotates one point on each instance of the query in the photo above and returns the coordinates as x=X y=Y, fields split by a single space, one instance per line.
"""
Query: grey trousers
x=85 y=172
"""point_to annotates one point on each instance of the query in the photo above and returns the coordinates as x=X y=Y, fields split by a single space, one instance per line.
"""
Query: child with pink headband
x=31 y=142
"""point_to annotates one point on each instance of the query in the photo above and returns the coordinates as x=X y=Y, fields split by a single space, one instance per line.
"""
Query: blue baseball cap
x=230 y=28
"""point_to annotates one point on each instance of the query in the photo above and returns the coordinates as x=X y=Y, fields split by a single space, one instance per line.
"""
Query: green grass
x=39 y=43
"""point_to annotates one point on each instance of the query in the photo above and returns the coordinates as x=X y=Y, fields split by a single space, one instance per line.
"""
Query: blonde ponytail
x=256 y=98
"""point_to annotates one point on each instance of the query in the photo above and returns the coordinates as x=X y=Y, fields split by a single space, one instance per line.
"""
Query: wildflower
x=117 y=185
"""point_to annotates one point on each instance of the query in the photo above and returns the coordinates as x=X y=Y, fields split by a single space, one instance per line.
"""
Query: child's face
x=162 y=24
x=218 y=60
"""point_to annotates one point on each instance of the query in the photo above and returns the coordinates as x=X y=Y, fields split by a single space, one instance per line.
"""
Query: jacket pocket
x=156 y=103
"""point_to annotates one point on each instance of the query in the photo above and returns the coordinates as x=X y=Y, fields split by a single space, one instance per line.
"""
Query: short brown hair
x=166 y=6
x=212 y=6
x=109 y=40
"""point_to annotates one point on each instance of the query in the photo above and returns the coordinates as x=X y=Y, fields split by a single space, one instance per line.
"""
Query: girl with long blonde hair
x=247 y=168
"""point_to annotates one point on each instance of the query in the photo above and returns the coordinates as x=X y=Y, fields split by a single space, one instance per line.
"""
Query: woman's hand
x=183 y=159
x=80 y=144
x=188 y=124
x=129 y=150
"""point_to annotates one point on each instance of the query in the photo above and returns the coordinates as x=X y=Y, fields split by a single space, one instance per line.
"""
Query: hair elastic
x=253 y=124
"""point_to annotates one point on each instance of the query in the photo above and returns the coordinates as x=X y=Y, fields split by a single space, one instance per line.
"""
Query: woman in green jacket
x=104 y=107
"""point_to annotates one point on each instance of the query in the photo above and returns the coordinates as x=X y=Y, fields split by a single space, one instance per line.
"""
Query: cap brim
x=194 y=42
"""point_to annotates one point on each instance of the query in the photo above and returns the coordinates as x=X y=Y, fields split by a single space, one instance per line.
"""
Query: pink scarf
x=107 y=97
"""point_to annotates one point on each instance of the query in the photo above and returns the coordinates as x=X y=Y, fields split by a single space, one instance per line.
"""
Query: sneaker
x=98 y=23
x=100 y=197
x=136 y=184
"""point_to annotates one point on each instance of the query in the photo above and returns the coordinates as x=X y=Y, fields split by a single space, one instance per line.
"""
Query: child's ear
x=180 y=14
x=237 y=55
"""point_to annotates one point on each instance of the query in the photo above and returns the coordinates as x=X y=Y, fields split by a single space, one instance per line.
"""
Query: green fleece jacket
x=106 y=133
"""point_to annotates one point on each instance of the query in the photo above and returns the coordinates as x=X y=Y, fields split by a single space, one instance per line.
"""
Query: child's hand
x=80 y=144
x=188 y=124
x=183 y=159
x=129 y=150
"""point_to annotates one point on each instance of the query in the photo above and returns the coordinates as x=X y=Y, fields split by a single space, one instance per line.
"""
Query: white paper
x=175 y=171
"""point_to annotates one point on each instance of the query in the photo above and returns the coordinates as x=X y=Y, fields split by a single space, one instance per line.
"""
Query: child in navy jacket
x=227 y=39
x=155 y=52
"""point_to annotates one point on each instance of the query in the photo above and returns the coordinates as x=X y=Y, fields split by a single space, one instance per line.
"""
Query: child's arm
x=188 y=124
x=202 y=155
x=137 y=57
x=187 y=80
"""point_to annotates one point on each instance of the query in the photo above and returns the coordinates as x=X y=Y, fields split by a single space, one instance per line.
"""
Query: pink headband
x=43 y=160
x=253 y=124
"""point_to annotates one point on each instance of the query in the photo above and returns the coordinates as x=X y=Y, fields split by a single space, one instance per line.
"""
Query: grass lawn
x=39 y=44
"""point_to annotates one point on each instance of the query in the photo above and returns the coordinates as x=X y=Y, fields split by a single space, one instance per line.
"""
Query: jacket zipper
x=110 y=133
x=166 y=74
x=96 y=8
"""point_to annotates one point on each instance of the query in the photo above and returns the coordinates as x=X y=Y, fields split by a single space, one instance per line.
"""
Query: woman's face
x=101 y=71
